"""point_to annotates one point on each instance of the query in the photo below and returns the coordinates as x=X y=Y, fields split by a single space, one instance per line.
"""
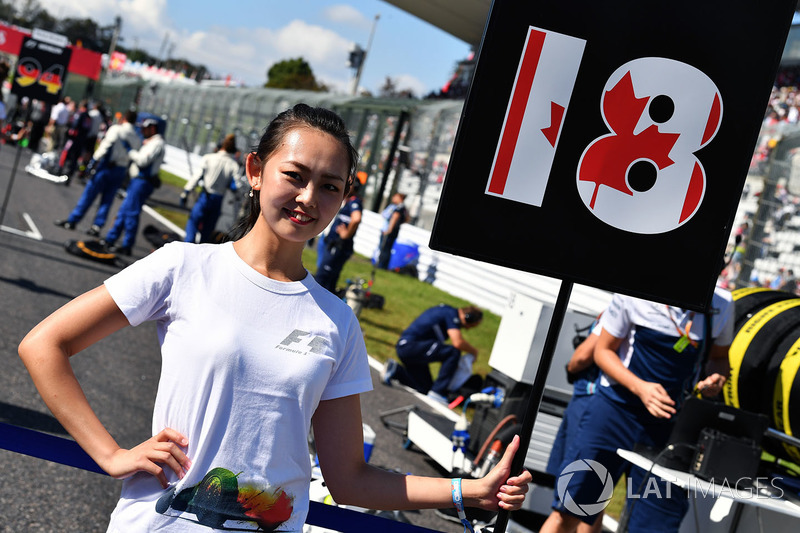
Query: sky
x=243 y=38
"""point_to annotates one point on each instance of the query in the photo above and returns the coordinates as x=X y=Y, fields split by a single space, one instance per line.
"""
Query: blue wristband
x=458 y=502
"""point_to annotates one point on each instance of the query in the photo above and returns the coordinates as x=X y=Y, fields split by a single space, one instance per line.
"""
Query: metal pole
x=113 y=46
x=378 y=198
x=366 y=54
x=424 y=175
x=376 y=144
x=10 y=184
x=537 y=390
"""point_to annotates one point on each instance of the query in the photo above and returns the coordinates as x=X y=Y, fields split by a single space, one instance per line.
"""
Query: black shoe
x=66 y=224
x=94 y=231
x=119 y=250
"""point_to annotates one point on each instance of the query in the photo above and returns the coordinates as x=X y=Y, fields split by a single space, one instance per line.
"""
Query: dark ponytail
x=301 y=115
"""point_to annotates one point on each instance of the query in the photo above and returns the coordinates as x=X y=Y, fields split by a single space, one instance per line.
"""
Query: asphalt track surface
x=119 y=374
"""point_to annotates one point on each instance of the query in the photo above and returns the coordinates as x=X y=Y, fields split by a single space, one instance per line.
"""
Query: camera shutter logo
x=585 y=508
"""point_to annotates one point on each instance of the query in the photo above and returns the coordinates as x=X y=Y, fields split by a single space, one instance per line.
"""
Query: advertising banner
x=41 y=69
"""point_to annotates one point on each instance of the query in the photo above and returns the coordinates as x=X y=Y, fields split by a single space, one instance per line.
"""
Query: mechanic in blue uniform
x=145 y=164
x=425 y=341
x=110 y=162
x=337 y=245
x=584 y=376
x=218 y=174
x=640 y=390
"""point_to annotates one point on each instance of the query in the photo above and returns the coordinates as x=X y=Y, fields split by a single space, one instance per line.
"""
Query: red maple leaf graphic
x=607 y=159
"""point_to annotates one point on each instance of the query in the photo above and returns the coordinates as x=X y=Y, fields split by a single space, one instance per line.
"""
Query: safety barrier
x=765 y=358
x=67 y=452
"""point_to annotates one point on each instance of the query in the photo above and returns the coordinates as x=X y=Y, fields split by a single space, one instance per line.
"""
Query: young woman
x=254 y=353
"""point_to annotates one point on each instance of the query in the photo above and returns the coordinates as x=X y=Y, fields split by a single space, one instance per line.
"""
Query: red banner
x=10 y=39
x=83 y=62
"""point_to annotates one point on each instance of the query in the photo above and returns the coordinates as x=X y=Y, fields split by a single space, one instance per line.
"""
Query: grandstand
x=770 y=198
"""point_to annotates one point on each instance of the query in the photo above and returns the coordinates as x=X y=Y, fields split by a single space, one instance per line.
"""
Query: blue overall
x=336 y=251
x=203 y=217
x=105 y=183
x=127 y=219
x=583 y=389
x=423 y=343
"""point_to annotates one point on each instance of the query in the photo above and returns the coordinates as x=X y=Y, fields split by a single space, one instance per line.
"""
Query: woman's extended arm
x=339 y=444
x=46 y=350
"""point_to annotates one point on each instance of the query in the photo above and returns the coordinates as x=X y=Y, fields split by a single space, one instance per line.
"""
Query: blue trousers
x=385 y=247
x=567 y=433
x=104 y=183
x=331 y=262
x=203 y=217
x=417 y=355
x=605 y=426
x=127 y=219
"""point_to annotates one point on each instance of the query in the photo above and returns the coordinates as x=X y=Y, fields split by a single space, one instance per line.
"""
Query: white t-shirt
x=148 y=158
x=245 y=361
x=119 y=155
x=217 y=171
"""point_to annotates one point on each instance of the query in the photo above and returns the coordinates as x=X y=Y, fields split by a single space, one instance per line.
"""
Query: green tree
x=87 y=33
x=137 y=54
x=44 y=21
x=29 y=14
x=7 y=11
x=28 y=11
x=293 y=74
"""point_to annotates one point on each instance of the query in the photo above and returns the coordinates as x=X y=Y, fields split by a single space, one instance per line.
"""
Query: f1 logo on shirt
x=643 y=176
x=315 y=344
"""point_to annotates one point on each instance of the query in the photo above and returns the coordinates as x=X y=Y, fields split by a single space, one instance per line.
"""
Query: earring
x=251 y=193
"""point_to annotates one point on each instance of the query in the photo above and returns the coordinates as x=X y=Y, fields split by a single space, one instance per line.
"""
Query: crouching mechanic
x=424 y=341
x=640 y=391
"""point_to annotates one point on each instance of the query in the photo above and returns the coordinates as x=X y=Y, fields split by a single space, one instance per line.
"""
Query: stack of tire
x=765 y=358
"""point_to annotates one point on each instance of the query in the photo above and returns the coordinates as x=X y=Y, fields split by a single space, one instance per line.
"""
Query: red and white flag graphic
x=539 y=101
